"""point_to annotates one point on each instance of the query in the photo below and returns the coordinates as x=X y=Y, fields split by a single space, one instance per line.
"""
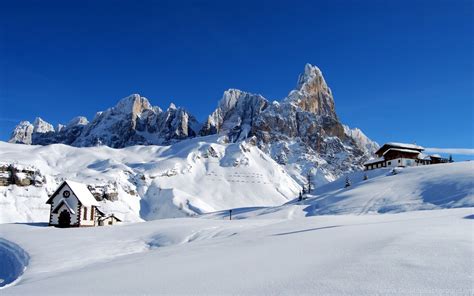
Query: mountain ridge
x=301 y=132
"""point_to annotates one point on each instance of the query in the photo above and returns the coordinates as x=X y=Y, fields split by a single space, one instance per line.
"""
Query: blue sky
x=399 y=70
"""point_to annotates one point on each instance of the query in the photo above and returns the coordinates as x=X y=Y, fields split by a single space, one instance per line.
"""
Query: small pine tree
x=304 y=190
x=300 y=197
x=450 y=159
x=308 y=177
x=348 y=182
x=366 y=177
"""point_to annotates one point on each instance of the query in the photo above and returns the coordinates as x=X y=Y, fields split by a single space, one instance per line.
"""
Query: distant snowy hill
x=301 y=132
x=190 y=177
x=449 y=185
x=430 y=187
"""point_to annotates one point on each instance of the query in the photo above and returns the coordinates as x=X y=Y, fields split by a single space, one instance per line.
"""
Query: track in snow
x=13 y=262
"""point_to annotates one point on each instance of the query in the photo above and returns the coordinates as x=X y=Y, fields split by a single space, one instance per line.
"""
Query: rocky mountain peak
x=229 y=99
x=235 y=114
x=172 y=106
x=41 y=126
x=22 y=133
x=312 y=93
x=78 y=120
x=310 y=74
x=134 y=104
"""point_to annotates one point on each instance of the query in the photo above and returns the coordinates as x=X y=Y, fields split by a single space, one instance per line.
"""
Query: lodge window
x=389 y=163
x=85 y=213
x=399 y=161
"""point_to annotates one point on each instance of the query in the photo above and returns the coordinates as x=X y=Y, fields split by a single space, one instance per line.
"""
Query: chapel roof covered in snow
x=80 y=191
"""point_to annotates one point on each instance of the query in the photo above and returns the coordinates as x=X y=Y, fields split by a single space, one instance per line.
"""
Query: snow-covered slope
x=190 y=177
x=448 y=185
x=424 y=252
x=437 y=186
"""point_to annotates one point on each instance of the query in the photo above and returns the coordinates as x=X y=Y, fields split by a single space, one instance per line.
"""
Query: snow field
x=407 y=253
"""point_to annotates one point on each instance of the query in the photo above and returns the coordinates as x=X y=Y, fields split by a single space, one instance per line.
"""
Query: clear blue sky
x=399 y=70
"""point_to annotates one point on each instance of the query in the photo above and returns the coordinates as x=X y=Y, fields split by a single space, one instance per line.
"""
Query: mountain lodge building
x=401 y=155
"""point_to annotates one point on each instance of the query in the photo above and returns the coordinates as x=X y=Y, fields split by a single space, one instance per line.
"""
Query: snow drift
x=13 y=262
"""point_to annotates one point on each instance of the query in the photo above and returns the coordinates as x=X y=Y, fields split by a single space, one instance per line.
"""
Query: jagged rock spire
x=312 y=93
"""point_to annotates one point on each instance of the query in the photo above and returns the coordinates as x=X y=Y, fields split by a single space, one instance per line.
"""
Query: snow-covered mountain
x=302 y=132
x=133 y=121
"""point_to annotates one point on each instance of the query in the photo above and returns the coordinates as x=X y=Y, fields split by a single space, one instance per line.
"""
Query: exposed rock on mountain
x=312 y=93
x=301 y=132
x=20 y=175
x=132 y=121
x=235 y=114
x=22 y=133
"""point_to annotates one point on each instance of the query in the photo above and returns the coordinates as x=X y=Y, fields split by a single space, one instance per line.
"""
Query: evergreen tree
x=450 y=159
x=308 y=177
x=300 y=197
x=366 y=177
x=348 y=182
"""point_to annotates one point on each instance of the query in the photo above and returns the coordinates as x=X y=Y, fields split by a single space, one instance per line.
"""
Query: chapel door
x=64 y=219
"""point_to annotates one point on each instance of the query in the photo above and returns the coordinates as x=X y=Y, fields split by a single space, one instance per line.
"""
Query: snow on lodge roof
x=390 y=145
x=80 y=191
x=375 y=160
x=405 y=145
x=402 y=150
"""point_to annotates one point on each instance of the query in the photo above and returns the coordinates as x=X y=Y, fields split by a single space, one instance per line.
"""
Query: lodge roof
x=402 y=150
x=399 y=145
